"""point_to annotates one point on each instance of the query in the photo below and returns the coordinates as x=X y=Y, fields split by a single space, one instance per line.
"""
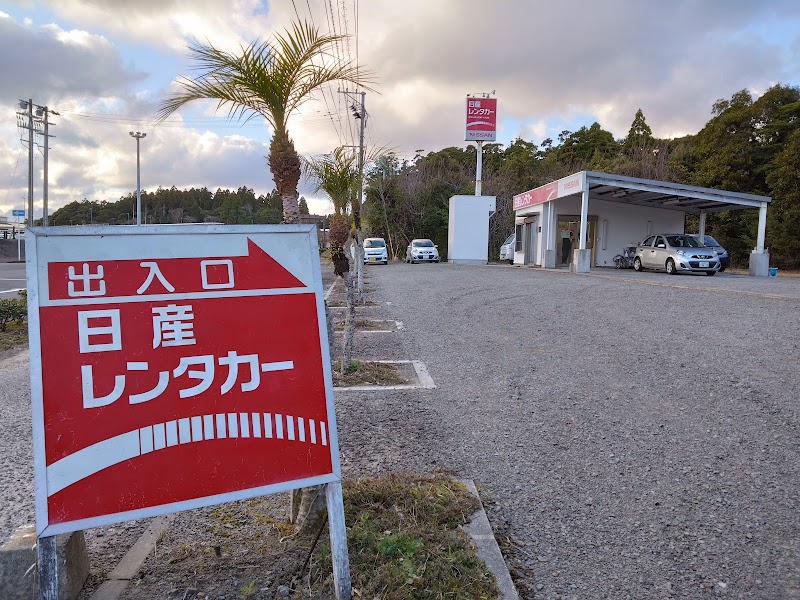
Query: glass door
x=569 y=229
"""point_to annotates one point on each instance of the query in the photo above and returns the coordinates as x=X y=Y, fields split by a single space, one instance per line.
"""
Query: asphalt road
x=12 y=279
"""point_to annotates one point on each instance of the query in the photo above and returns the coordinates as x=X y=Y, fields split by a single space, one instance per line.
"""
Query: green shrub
x=12 y=310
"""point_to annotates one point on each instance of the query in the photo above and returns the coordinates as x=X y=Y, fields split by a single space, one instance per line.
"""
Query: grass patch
x=405 y=542
x=367 y=325
x=15 y=336
x=337 y=302
x=370 y=373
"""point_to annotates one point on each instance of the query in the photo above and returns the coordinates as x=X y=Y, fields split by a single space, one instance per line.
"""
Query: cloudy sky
x=106 y=65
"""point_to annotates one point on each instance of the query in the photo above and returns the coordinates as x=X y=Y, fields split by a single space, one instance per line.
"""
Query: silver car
x=675 y=253
x=422 y=251
x=507 y=249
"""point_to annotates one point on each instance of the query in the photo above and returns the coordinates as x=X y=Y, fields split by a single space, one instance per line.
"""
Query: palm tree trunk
x=284 y=162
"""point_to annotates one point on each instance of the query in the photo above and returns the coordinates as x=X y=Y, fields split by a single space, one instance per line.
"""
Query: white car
x=507 y=249
x=422 y=251
x=375 y=251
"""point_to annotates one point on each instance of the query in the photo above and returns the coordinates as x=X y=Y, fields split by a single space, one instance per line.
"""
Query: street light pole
x=138 y=135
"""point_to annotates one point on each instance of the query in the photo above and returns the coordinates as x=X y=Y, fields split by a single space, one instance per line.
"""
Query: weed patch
x=371 y=373
x=405 y=541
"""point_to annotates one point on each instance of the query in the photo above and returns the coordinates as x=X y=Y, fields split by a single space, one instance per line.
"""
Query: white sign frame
x=97 y=237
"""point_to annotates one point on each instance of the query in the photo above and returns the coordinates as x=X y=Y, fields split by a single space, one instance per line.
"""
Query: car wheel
x=386 y=262
x=710 y=273
x=722 y=270
x=671 y=270
x=511 y=261
x=637 y=264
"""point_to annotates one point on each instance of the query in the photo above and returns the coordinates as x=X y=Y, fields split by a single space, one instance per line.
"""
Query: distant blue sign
x=18 y=212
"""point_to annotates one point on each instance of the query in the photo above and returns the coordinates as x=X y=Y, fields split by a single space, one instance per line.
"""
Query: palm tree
x=336 y=174
x=271 y=79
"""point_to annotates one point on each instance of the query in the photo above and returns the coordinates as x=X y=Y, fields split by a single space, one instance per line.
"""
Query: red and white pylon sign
x=174 y=367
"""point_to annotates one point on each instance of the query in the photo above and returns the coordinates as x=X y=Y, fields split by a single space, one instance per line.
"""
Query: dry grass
x=15 y=336
x=370 y=373
x=367 y=325
x=405 y=541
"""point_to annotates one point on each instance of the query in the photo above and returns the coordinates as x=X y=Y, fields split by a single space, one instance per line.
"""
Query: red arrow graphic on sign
x=257 y=270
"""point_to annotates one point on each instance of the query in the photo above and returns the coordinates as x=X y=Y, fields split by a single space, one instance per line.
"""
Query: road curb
x=129 y=565
x=486 y=546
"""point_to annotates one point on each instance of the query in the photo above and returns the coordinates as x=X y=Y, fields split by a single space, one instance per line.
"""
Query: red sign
x=171 y=380
x=537 y=196
x=481 y=119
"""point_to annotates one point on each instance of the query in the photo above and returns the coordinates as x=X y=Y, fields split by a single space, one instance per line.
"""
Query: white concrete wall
x=627 y=224
x=468 y=228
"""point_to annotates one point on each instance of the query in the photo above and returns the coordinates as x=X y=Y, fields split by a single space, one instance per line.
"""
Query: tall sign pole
x=481 y=127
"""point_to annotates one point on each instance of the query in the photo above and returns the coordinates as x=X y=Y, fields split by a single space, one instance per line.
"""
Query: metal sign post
x=176 y=367
x=18 y=212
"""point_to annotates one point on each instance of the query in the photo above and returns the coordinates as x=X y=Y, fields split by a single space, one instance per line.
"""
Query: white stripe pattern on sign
x=184 y=431
x=146 y=439
x=208 y=427
x=197 y=429
x=172 y=433
x=99 y=456
x=233 y=426
x=159 y=437
x=267 y=425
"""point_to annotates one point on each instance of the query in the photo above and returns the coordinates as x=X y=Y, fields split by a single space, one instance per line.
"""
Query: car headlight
x=682 y=252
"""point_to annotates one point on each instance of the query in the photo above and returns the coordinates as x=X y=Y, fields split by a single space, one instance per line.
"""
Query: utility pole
x=138 y=135
x=30 y=121
x=29 y=221
x=361 y=114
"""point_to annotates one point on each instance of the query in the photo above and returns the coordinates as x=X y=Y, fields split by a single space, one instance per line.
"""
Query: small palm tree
x=271 y=79
x=337 y=175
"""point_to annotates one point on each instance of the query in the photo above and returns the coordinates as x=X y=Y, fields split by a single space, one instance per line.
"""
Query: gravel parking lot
x=636 y=434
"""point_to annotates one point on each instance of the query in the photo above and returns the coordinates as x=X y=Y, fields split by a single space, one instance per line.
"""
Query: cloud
x=53 y=64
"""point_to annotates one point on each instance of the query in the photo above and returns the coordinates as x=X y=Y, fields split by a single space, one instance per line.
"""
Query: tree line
x=748 y=145
x=171 y=205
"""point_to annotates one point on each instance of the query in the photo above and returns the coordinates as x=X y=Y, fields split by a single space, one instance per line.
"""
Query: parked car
x=507 y=249
x=375 y=251
x=674 y=253
x=722 y=254
x=422 y=251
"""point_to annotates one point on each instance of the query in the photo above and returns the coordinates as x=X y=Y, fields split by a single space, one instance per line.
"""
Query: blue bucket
x=773 y=272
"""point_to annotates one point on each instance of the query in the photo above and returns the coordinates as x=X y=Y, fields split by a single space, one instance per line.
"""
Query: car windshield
x=708 y=240
x=509 y=239
x=422 y=243
x=374 y=243
x=683 y=241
